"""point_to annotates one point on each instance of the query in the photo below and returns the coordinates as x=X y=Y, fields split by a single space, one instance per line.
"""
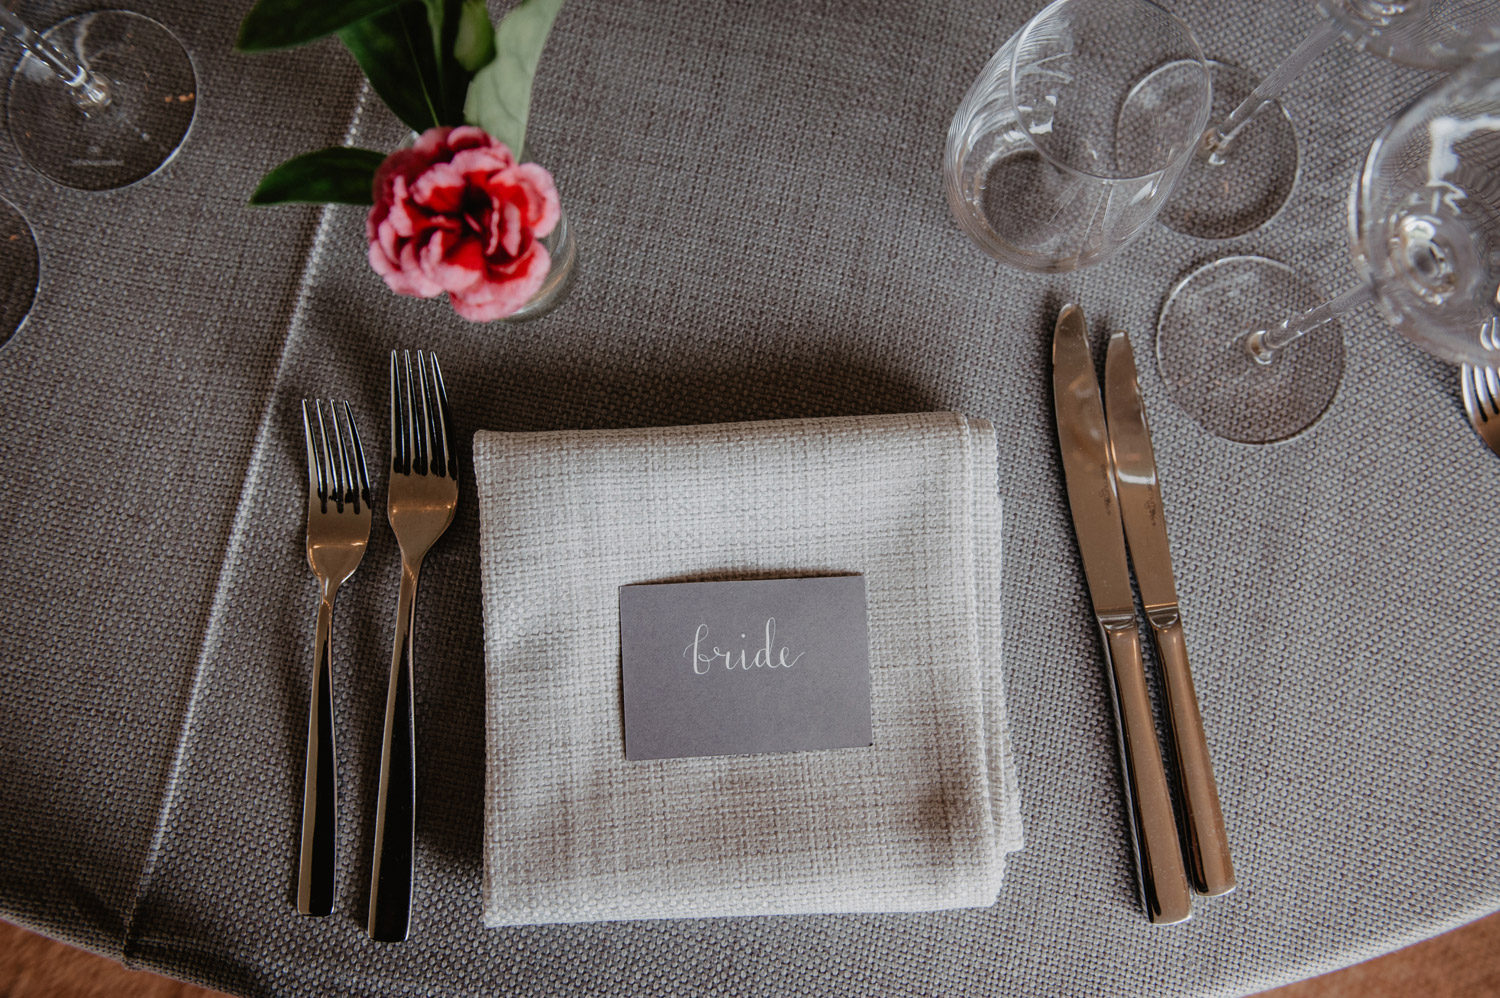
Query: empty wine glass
x=101 y=99
x=1424 y=230
x=1041 y=170
x=19 y=269
x=1247 y=163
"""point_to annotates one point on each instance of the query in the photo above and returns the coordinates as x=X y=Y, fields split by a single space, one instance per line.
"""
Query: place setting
x=765 y=643
x=719 y=681
x=540 y=498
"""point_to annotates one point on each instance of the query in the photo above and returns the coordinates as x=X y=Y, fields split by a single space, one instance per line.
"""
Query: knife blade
x=1139 y=493
x=1089 y=472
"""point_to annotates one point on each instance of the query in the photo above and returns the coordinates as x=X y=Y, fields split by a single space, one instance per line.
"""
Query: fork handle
x=395 y=827
x=319 y=791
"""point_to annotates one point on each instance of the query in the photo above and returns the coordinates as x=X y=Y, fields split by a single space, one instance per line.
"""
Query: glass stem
x=1264 y=344
x=1216 y=142
x=90 y=90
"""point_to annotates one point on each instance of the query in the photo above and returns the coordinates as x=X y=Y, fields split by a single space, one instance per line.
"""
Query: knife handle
x=1158 y=856
x=1208 y=844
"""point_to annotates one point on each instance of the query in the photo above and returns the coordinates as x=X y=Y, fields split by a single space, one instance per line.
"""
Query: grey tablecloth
x=756 y=191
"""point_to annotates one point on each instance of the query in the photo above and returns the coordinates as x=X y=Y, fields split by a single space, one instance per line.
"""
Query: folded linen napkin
x=921 y=820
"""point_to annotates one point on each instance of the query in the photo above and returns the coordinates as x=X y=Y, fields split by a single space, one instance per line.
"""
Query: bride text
x=767 y=656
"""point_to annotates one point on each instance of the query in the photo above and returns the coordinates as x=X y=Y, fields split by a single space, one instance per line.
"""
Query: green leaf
x=445 y=18
x=395 y=50
x=279 y=24
x=500 y=95
x=338 y=174
x=475 y=44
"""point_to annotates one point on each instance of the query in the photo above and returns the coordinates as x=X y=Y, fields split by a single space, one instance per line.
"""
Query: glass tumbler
x=1072 y=137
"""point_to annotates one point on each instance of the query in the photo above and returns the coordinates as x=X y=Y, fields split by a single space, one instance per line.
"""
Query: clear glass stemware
x=1041 y=169
x=1424 y=230
x=99 y=100
x=19 y=270
x=1247 y=164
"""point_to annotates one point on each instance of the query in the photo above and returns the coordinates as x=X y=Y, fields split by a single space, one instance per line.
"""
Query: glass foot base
x=1207 y=371
x=19 y=270
x=153 y=93
x=1256 y=177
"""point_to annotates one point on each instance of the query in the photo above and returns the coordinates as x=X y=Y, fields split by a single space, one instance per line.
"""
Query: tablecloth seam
x=244 y=509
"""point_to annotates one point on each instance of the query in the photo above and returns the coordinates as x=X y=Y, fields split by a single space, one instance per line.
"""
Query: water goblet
x=1424 y=231
x=1041 y=169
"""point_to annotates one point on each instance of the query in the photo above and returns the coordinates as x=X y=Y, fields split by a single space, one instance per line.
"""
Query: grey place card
x=730 y=668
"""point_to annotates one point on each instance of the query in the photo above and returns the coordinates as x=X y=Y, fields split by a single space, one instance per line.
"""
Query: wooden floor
x=1464 y=963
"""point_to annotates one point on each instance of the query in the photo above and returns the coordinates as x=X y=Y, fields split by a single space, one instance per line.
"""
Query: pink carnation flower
x=456 y=213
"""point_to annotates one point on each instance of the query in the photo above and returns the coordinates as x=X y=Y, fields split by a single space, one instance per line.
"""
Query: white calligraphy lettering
x=766 y=656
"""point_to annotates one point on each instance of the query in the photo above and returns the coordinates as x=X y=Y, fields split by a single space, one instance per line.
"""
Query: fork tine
x=325 y=460
x=340 y=440
x=314 y=468
x=1490 y=390
x=416 y=457
x=424 y=389
x=398 y=437
x=363 y=493
x=444 y=419
x=436 y=460
x=335 y=490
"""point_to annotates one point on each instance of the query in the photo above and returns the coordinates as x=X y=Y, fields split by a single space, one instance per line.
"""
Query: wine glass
x=1424 y=230
x=19 y=270
x=1247 y=164
x=101 y=99
x=1040 y=169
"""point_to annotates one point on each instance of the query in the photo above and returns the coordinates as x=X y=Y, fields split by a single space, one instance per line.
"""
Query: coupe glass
x=99 y=100
x=1424 y=229
x=1042 y=168
x=1246 y=166
x=18 y=269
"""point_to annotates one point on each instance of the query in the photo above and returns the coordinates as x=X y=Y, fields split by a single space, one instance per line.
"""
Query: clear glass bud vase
x=563 y=249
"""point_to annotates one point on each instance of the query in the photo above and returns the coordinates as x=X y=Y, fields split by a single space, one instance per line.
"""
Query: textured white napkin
x=921 y=820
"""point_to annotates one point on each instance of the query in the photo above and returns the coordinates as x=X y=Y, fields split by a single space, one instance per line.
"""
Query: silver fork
x=1481 y=387
x=338 y=530
x=420 y=501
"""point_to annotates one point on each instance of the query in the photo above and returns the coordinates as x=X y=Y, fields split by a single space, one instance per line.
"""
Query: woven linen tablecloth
x=756 y=189
x=575 y=832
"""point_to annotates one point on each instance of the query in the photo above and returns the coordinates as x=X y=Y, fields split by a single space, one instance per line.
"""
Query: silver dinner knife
x=1146 y=530
x=1089 y=470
